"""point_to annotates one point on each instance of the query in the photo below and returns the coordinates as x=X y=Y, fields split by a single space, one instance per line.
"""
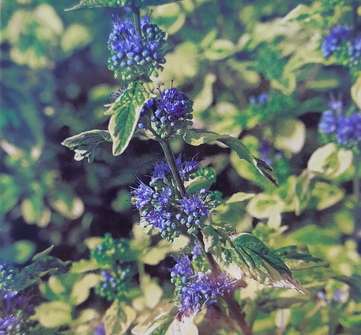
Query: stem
x=172 y=165
x=237 y=315
x=136 y=18
x=233 y=306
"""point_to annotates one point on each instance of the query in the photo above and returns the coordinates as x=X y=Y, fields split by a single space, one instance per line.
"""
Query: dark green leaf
x=10 y=193
x=262 y=263
x=197 y=137
x=293 y=252
x=42 y=264
x=125 y=113
x=355 y=285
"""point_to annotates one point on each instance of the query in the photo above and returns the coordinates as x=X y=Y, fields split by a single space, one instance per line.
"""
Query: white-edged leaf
x=125 y=112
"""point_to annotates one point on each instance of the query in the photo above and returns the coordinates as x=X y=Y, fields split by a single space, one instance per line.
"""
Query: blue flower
x=349 y=130
x=194 y=209
x=143 y=195
x=168 y=114
x=328 y=122
x=161 y=219
x=161 y=169
x=100 y=329
x=196 y=250
x=186 y=168
x=260 y=99
x=115 y=285
x=161 y=206
x=265 y=151
x=164 y=196
x=8 y=324
x=7 y=277
x=182 y=269
x=135 y=54
x=345 y=129
x=334 y=39
x=202 y=289
x=173 y=105
x=355 y=51
x=336 y=105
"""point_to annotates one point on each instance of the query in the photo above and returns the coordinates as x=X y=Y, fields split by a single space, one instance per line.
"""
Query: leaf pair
x=125 y=112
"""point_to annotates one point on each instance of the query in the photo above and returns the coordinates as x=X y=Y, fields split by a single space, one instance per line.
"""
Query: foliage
x=250 y=223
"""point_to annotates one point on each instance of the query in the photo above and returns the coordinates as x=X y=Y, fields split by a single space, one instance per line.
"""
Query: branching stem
x=233 y=306
x=172 y=165
x=136 y=18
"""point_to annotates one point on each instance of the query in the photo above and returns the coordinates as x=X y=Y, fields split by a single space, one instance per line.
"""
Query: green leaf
x=198 y=183
x=205 y=97
x=264 y=205
x=118 y=318
x=151 y=290
x=34 y=210
x=76 y=36
x=53 y=314
x=356 y=92
x=354 y=282
x=84 y=265
x=299 y=258
x=86 y=143
x=197 y=137
x=9 y=194
x=81 y=289
x=220 y=49
x=18 y=252
x=41 y=266
x=66 y=203
x=325 y=195
x=125 y=115
x=239 y=197
x=290 y=135
x=330 y=161
x=157 y=322
x=262 y=263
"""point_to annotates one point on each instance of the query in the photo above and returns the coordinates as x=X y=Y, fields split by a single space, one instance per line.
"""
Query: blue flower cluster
x=136 y=52
x=342 y=43
x=161 y=206
x=100 y=329
x=260 y=99
x=197 y=289
x=345 y=129
x=110 y=251
x=115 y=285
x=9 y=324
x=168 y=114
x=7 y=276
x=15 y=308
